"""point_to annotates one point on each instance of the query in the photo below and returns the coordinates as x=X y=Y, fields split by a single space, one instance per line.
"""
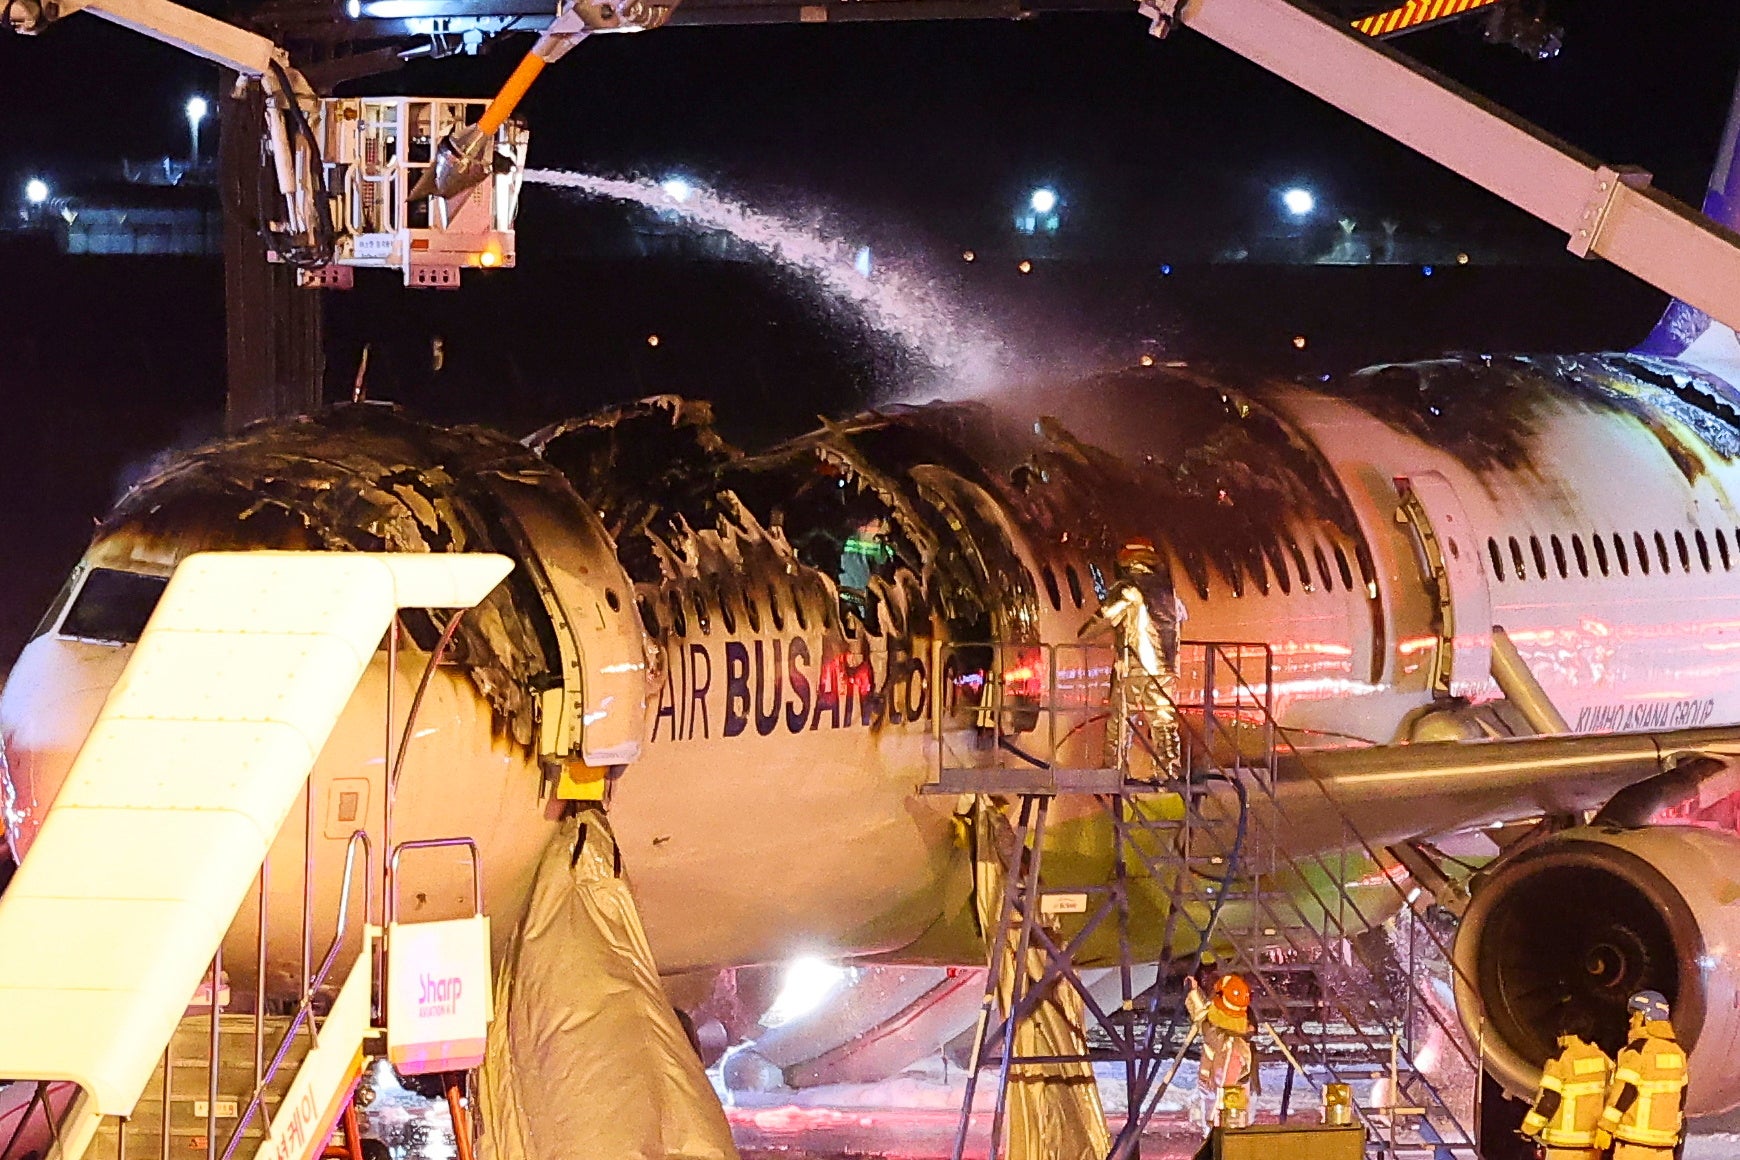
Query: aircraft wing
x=1391 y=793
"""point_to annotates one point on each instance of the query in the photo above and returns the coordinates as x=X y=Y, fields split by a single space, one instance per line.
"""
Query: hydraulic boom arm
x=1609 y=212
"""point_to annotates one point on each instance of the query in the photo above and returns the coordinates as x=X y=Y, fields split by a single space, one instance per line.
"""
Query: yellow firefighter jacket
x=1646 y=1095
x=1572 y=1095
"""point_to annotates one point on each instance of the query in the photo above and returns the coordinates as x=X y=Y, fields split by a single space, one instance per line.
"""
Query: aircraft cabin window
x=774 y=609
x=1722 y=549
x=1661 y=553
x=679 y=624
x=797 y=610
x=1051 y=591
x=1582 y=556
x=1278 y=563
x=1600 y=546
x=1619 y=554
x=1703 y=549
x=649 y=616
x=1341 y=566
x=1323 y=567
x=753 y=611
x=1684 y=554
x=1074 y=582
x=1642 y=552
x=1540 y=557
x=1559 y=557
x=1516 y=560
x=1305 y=581
x=112 y=606
x=1497 y=558
x=702 y=620
x=1259 y=570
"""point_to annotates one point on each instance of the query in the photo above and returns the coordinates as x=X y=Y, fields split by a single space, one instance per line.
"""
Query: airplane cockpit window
x=1600 y=552
x=52 y=616
x=112 y=606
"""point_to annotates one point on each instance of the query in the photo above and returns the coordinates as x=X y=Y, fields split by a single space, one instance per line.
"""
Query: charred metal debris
x=1487 y=410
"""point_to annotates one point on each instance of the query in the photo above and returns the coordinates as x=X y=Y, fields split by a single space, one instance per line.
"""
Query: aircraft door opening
x=598 y=712
x=1451 y=557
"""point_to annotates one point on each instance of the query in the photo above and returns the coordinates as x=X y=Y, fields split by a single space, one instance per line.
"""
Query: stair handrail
x=305 y=1005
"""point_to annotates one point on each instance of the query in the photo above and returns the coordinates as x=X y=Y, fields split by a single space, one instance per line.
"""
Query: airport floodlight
x=36 y=191
x=196 y=111
x=1043 y=200
x=1299 y=201
x=677 y=189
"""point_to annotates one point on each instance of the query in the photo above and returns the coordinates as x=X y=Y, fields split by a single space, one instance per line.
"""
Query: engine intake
x=1586 y=919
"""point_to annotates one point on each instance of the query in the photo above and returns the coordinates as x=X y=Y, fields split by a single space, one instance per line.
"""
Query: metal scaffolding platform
x=1340 y=962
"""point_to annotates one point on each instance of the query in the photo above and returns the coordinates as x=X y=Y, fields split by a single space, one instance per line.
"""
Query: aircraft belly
x=743 y=851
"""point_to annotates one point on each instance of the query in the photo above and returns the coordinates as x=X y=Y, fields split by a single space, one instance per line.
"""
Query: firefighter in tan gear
x=1573 y=1091
x=1144 y=616
x=1223 y=1076
x=1643 y=1117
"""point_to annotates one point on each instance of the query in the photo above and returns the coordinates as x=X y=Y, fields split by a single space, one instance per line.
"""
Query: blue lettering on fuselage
x=772 y=684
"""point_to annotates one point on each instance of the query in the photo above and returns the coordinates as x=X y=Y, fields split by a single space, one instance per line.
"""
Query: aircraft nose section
x=48 y=705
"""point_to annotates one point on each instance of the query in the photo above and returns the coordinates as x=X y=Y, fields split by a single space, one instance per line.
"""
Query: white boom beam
x=204 y=36
x=1605 y=212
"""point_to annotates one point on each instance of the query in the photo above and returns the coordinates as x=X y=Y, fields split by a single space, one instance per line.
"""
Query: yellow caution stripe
x=1415 y=13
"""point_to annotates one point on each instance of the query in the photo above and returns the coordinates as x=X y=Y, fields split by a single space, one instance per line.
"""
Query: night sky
x=918 y=139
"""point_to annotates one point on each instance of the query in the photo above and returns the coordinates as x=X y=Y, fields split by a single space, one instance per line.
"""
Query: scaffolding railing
x=1199 y=857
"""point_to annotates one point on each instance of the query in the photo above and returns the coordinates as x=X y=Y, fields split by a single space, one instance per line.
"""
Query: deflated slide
x=586 y=1058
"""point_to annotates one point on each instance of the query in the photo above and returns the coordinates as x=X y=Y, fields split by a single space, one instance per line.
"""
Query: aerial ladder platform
x=161 y=829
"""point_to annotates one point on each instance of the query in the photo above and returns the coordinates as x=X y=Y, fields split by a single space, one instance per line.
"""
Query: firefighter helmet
x=1138 y=551
x=1232 y=994
x=1652 y=1005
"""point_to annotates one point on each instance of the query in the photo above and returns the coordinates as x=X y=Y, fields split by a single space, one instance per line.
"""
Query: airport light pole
x=196 y=111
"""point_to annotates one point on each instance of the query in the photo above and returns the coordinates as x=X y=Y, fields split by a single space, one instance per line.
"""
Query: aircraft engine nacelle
x=1590 y=917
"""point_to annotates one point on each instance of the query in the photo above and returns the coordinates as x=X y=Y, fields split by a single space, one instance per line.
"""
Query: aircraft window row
x=1619 y=554
x=704 y=603
x=1263 y=569
x=1077 y=595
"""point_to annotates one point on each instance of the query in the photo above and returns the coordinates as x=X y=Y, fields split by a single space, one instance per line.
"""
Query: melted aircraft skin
x=775 y=806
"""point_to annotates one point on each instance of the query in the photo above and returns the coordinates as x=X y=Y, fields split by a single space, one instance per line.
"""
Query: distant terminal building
x=157 y=207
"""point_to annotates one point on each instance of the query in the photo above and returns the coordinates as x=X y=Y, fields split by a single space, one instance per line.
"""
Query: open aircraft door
x=596 y=717
x=1451 y=554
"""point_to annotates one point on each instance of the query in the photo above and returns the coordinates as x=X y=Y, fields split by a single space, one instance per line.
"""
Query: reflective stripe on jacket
x=1654 y=1065
x=1579 y=1074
